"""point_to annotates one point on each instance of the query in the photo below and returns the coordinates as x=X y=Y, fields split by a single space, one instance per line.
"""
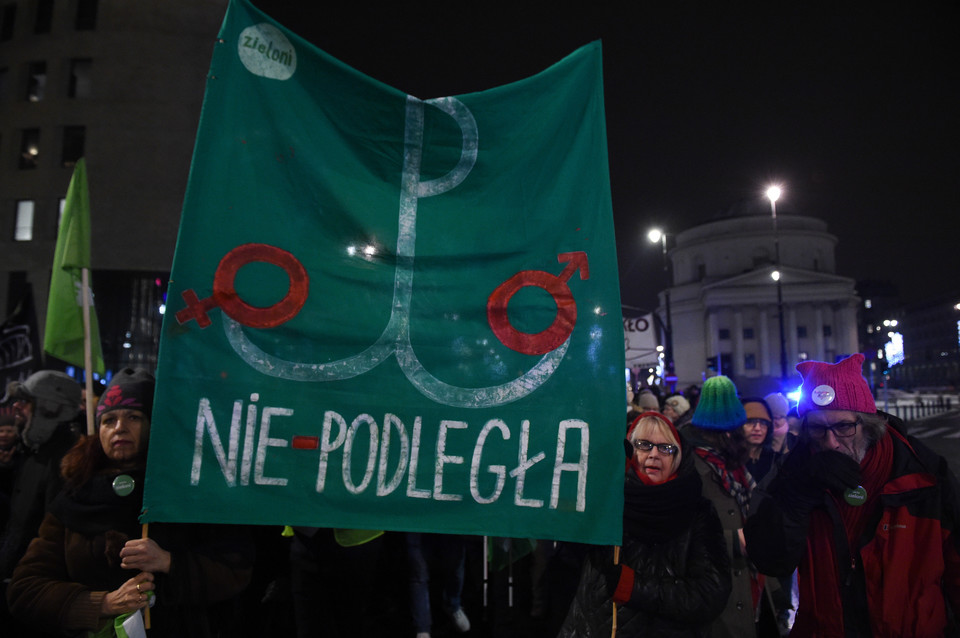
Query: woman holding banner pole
x=673 y=575
x=89 y=565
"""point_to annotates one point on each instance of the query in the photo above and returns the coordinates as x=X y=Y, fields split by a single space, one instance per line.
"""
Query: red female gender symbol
x=225 y=295
x=563 y=323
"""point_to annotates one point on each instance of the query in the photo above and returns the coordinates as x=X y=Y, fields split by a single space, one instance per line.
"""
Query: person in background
x=647 y=400
x=868 y=513
x=10 y=454
x=89 y=563
x=45 y=406
x=757 y=431
x=440 y=556
x=782 y=439
x=720 y=452
x=677 y=409
x=673 y=576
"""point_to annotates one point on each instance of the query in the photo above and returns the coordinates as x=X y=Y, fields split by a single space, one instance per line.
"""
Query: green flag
x=388 y=312
x=64 y=333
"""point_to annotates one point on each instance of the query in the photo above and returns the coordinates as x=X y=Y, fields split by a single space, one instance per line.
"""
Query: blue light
x=794 y=397
x=893 y=349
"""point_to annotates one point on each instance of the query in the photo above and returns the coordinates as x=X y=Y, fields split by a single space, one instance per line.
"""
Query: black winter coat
x=681 y=583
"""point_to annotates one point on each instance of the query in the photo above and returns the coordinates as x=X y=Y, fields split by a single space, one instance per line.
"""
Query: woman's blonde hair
x=654 y=423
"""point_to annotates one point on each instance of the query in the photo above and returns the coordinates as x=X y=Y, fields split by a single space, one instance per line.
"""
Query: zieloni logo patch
x=265 y=51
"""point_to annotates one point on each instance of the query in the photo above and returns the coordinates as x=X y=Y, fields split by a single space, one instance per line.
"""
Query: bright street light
x=773 y=193
x=657 y=236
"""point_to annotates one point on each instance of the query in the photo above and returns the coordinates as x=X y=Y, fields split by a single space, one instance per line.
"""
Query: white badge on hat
x=823 y=395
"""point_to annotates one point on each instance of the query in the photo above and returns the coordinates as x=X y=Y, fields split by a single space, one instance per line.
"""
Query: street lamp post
x=657 y=236
x=773 y=194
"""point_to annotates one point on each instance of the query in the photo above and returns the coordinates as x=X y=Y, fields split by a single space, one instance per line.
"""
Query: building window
x=8 y=16
x=86 y=15
x=701 y=271
x=4 y=74
x=36 y=81
x=801 y=332
x=29 y=148
x=73 y=141
x=44 y=17
x=23 y=230
x=750 y=361
x=724 y=333
x=867 y=303
x=79 y=77
x=748 y=333
x=827 y=331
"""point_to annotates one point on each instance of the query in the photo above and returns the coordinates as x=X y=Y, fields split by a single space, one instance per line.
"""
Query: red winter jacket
x=907 y=569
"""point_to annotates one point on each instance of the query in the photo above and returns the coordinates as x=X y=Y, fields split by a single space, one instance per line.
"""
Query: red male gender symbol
x=225 y=295
x=556 y=286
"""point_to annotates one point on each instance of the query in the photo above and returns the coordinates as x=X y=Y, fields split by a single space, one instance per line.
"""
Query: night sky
x=855 y=112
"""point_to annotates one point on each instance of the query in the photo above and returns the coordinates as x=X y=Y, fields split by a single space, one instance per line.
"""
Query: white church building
x=724 y=306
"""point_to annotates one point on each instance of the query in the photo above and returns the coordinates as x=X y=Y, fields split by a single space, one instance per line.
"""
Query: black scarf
x=656 y=513
x=94 y=507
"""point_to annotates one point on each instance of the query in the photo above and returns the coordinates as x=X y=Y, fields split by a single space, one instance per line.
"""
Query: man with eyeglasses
x=867 y=513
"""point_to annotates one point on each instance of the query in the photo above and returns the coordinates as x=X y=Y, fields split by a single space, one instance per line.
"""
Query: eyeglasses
x=646 y=446
x=752 y=422
x=841 y=430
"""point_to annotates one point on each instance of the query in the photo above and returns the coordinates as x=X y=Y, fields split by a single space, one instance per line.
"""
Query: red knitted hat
x=835 y=386
x=673 y=428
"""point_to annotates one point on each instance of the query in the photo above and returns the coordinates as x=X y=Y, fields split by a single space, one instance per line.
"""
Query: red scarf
x=821 y=611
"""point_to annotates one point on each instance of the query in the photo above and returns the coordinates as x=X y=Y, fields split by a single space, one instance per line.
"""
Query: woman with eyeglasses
x=673 y=575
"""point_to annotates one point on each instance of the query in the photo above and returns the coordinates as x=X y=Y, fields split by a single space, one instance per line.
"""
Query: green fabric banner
x=64 y=334
x=392 y=313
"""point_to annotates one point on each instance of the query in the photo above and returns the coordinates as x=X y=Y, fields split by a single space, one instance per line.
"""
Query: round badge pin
x=123 y=485
x=823 y=395
x=855 y=496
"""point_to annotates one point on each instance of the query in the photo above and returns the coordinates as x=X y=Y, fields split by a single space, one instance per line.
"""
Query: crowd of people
x=743 y=516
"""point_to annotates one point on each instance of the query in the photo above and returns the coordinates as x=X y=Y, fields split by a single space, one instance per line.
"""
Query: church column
x=819 y=351
x=793 y=347
x=737 y=343
x=764 y=329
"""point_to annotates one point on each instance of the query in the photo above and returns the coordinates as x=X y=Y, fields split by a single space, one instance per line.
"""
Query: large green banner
x=388 y=312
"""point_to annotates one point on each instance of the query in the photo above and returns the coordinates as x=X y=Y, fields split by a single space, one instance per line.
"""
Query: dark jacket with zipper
x=680 y=583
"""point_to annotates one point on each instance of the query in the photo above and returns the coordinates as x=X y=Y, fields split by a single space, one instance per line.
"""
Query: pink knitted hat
x=835 y=386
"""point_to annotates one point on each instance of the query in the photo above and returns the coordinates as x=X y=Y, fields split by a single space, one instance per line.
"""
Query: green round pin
x=856 y=496
x=123 y=485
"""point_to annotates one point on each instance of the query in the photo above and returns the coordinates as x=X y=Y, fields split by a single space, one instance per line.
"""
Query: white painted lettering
x=520 y=472
x=443 y=459
x=499 y=471
x=266 y=442
x=371 y=456
x=580 y=467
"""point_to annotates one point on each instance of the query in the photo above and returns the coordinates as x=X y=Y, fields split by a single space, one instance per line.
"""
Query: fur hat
x=648 y=400
x=719 y=408
x=56 y=400
x=835 y=386
x=128 y=390
x=778 y=404
x=679 y=404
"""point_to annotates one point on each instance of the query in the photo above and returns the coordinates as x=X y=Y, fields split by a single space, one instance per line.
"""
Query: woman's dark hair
x=732 y=444
x=82 y=461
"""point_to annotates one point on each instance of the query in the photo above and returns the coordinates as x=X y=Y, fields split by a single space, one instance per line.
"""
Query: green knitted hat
x=719 y=408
